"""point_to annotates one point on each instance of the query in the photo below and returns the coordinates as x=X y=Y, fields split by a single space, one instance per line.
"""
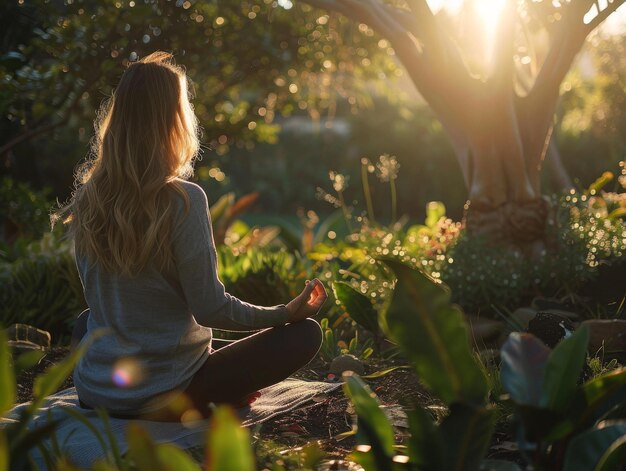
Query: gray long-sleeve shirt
x=159 y=324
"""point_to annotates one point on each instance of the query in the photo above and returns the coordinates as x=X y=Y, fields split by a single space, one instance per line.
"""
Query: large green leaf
x=142 y=449
x=613 y=458
x=7 y=376
x=425 y=446
x=173 y=458
x=598 y=396
x=522 y=373
x=374 y=428
x=467 y=433
x=48 y=382
x=540 y=424
x=587 y=449
x=433 y=334
x=4 y=451
x=228 y=443
x=563 y=369
x=358 y=306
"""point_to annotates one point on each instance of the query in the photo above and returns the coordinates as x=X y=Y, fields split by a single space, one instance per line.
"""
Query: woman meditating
x=147 y=261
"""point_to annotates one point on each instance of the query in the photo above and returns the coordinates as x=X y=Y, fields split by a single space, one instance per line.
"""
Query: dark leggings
x=234 y=371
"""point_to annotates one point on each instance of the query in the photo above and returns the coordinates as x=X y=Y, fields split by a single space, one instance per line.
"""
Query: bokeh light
x=126 y=373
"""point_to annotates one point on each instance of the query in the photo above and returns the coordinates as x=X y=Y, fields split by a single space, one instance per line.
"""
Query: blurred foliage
x=334 y=345
x=592 y=115
x=249 y=61
x=41 y=288
x=24 y=213
x=227 y=446
x=259 y=276
x=288 y=173
x=559 y=423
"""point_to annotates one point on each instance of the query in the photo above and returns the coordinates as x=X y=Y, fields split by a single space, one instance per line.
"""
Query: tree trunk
x=500 y=137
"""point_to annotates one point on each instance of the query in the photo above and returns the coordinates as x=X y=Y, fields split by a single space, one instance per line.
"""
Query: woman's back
x=153 y=343
x=148 y=264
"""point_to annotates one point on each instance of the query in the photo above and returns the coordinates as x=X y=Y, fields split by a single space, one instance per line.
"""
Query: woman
x=148 y=265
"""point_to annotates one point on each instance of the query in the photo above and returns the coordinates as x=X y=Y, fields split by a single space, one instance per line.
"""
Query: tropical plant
x=24 y=215
x=561 y=424
x=333 y=345
x=42 y=287
x=229 y=230
x=260 y=276
x=433 y=335
x=564 y=425
x=357 y=306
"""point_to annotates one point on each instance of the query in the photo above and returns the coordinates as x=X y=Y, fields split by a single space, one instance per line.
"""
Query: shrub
x=24 y=213
x=42 y=288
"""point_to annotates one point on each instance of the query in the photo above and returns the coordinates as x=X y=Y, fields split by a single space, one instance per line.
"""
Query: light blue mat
x=81 y=445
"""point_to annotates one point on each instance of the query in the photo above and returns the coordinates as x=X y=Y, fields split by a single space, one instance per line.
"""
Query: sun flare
x=489 y=12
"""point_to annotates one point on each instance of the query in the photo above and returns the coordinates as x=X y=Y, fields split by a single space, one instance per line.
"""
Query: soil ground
x=324 y=420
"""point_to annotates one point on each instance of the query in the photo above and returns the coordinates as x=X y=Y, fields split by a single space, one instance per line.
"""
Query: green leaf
x=4 y=451
x=27 y=360
x=425 y=446
x=374 y=428
x=7 y=376
x=587 y=449
x=522 y=373
x=435 y=210
x=103 y=466
x=542 y=424
x=434 y=335
x=48 y=382
x=173 y=458
x=221 y=206
x=358 y=306
x=600 y=182
x=141 y=449
x=380 y=373
x=228 y=444
x=563 y=369
x=466 y=432
x=614 y=457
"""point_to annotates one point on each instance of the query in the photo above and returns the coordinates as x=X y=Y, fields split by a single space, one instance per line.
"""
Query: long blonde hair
x=121 y=213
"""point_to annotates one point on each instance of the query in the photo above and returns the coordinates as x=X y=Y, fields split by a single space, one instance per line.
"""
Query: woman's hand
x=307 y=303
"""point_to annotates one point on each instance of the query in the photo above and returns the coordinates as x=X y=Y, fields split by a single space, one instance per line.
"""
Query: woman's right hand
x=307 y=303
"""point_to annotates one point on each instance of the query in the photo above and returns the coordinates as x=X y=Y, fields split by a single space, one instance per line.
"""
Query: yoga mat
x=81 y=445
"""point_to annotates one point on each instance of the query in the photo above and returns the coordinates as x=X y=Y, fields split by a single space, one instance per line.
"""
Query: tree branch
x=31 y=134
x=604 y=14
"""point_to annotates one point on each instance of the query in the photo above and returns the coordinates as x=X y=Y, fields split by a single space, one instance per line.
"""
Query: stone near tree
x=346 y=362
x=610 y=334
x=484 y=330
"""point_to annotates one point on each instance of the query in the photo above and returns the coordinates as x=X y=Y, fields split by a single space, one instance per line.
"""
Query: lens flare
x=126 y=373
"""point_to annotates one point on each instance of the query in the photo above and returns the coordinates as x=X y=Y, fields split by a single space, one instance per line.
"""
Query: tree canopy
x=247 y=61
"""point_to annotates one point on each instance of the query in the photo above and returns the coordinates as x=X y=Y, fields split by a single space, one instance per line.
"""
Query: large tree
x=499 y=120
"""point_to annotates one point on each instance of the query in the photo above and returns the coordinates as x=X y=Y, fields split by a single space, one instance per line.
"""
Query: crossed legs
x=233 y=372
